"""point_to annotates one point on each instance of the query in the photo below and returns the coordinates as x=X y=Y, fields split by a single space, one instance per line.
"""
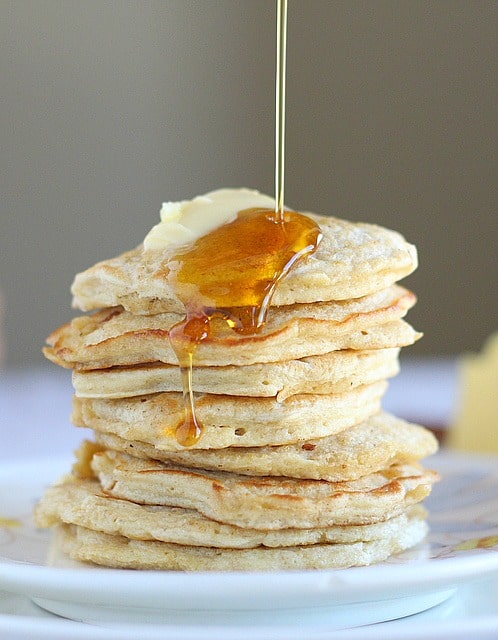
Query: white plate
x=462 y=546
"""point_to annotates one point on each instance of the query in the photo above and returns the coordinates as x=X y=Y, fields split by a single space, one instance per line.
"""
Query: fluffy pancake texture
x=87 y=545
x=114 y=337
x=229 y=421
x=333 y=372
x=263 y=502
x=84 y=503
x=296 y=467
x=377 y=443
x=352 y=260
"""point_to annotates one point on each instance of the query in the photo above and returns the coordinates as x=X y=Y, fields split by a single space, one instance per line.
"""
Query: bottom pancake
x=118 y=551
x=83 y=503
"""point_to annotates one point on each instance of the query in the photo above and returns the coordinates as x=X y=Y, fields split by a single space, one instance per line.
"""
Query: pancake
x=83 y=503
x=352 y=260
x=117 y=551
x=228 y=420
x=263 y=502
x=372 y=445
x=115 y=337
x=296 y=467
x=333 y=372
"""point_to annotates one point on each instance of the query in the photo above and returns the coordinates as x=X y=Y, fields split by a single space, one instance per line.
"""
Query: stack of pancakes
x=297 y=467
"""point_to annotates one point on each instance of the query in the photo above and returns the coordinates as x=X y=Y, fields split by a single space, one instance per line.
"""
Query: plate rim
x=28 y=578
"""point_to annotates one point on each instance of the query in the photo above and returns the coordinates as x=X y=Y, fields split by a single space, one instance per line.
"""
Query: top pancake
x=352 y=260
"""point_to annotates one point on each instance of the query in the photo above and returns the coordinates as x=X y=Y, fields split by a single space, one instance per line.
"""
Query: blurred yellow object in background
x=475 y=426
x=2 y=346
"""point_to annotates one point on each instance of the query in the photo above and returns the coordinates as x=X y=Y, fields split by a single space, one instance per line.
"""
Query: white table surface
x=34 y=422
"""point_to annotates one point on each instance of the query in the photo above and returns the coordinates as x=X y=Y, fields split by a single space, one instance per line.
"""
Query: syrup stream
x=280 y=73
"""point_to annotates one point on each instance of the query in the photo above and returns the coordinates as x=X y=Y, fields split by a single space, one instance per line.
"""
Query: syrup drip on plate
x=227 y=278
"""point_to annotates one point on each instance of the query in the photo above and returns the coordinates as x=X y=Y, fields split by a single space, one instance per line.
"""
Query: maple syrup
x=230 y=275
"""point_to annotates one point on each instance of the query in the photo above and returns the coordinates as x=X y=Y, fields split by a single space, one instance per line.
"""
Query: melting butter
x=186 y=221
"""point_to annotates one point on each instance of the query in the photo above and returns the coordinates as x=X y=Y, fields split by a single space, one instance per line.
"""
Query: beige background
x=110 y=107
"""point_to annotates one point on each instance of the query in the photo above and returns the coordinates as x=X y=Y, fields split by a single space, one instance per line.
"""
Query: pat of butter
x=476 y=425
x=185 y=221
